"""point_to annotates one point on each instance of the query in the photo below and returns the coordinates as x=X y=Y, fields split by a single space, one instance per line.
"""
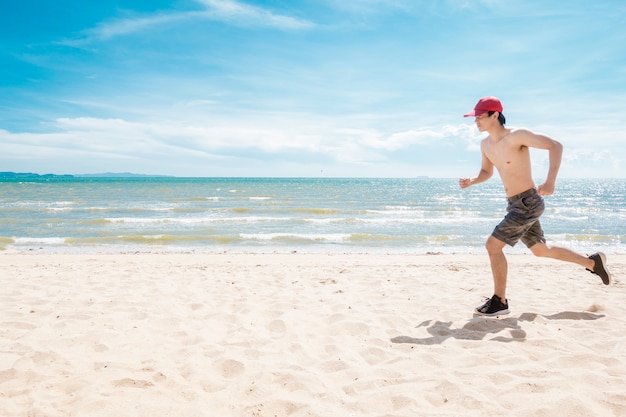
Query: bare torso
x=512 y=160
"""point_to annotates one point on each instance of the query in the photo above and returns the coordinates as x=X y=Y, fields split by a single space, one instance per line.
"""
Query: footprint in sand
x=132 y=383
x=230 y=368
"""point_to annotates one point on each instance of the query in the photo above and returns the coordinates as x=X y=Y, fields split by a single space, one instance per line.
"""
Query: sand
x=306 y=335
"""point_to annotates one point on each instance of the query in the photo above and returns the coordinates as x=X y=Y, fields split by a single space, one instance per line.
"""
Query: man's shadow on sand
x=478 y=328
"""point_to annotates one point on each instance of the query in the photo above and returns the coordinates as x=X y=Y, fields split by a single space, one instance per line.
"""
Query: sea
x=291 y=215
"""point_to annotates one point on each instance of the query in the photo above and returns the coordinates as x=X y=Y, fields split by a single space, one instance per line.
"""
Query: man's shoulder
x=520 y=131
x=519 y=136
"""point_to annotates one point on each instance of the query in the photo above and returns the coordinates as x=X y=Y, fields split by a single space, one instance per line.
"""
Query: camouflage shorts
x=522 y=220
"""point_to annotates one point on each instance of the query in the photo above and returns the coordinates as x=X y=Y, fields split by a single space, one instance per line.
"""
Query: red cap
x=484 y=105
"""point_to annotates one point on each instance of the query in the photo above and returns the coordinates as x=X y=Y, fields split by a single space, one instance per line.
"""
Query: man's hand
x=465 y=182
x=547 y=188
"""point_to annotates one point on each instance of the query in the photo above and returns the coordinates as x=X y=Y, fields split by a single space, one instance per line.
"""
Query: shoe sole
x=496 y=314
x=603 y=259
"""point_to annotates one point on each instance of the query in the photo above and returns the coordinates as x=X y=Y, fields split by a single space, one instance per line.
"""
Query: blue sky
x=306 y=88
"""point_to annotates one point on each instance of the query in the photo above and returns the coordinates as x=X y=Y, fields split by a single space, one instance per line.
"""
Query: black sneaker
x=493 y=307
x=600 y=267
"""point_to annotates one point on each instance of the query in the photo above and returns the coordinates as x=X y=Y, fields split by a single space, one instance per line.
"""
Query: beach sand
x=306 y=335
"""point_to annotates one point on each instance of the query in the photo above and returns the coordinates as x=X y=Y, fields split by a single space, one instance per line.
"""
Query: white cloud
x=118 y=138
x=81 y=145
x=241 y=13
x=121 y=138
x=371 y=138
x=121 y=27
x=229 y=11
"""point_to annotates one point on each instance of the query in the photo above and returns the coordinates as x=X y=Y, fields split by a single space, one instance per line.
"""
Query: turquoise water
x=292 y=214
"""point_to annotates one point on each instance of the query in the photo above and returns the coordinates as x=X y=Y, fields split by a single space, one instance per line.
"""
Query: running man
x=508 y=151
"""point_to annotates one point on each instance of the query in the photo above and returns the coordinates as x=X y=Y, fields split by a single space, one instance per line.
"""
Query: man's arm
x=486 y=172
x=555 y=154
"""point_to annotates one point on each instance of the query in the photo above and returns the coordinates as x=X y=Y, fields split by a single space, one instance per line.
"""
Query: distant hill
x=119 y=175
x=31 y=175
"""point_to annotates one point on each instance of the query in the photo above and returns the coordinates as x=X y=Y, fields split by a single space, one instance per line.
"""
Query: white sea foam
x=336 y=237
x=39 y=240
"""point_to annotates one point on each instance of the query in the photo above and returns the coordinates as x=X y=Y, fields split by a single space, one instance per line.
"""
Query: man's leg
x=499 y=266
x=561 y=254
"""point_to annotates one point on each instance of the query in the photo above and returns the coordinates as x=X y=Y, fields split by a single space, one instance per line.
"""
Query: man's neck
x=498 y=132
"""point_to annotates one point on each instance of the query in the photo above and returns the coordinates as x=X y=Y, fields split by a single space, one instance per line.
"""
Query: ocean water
x=314 y=215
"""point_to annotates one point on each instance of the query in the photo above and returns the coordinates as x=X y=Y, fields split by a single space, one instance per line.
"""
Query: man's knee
x=494 y=245
x=540 y=249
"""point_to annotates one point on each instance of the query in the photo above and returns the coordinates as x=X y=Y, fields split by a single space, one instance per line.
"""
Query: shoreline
x=306 y=335
x=321 y=250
